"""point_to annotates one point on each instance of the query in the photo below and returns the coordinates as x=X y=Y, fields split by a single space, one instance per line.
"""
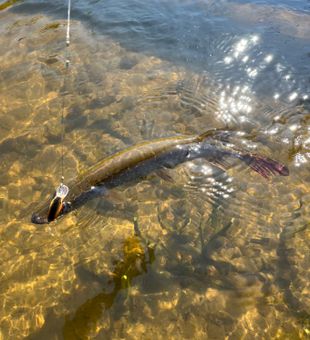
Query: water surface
x=220 y=255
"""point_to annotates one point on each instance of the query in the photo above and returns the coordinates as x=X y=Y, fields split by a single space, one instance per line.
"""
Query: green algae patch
x=51 y=26
x=7 y=4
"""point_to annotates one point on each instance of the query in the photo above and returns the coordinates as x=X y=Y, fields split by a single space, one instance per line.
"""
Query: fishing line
x=62 y=189
x=67 y=65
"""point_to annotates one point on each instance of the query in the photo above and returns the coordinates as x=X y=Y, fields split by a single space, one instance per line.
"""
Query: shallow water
x=220 y=255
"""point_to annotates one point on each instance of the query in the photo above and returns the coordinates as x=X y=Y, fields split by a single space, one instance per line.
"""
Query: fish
x=140 y=160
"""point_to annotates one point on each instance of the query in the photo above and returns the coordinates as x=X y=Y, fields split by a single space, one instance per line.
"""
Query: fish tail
x=265 y=166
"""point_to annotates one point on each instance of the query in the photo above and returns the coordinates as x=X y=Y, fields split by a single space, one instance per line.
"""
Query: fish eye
x=37 y=219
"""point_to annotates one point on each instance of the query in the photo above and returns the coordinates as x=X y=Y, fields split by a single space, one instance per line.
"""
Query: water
x=220 y=255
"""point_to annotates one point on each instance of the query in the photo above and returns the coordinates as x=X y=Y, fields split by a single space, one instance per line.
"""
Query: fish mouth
x=37 y=219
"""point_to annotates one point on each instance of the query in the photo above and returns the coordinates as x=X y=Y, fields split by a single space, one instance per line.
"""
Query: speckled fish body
x=142 y=159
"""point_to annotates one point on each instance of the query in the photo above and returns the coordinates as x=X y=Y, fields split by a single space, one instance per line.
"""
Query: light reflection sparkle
x=268 y=58
x=292 y=96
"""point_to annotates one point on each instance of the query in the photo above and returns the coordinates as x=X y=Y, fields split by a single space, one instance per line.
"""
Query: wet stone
x=15 y=169
x=14 y=192
x=8 y=122
x=21 y=112
x=101 y=102
x=244 y=264
x=127 y=63
x=136 y=80
x=215 y=331
x=75 y=123
x=53 y=132
x=128 y=103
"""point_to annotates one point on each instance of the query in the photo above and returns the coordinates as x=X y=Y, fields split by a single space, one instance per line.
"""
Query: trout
x=140 y=160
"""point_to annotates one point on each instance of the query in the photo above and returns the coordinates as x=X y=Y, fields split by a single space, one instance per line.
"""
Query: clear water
x=221 y=255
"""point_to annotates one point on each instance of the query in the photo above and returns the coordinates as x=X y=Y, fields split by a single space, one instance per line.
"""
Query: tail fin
x=265 y=166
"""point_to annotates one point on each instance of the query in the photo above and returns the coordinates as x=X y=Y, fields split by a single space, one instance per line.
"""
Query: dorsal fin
x=212 y=133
